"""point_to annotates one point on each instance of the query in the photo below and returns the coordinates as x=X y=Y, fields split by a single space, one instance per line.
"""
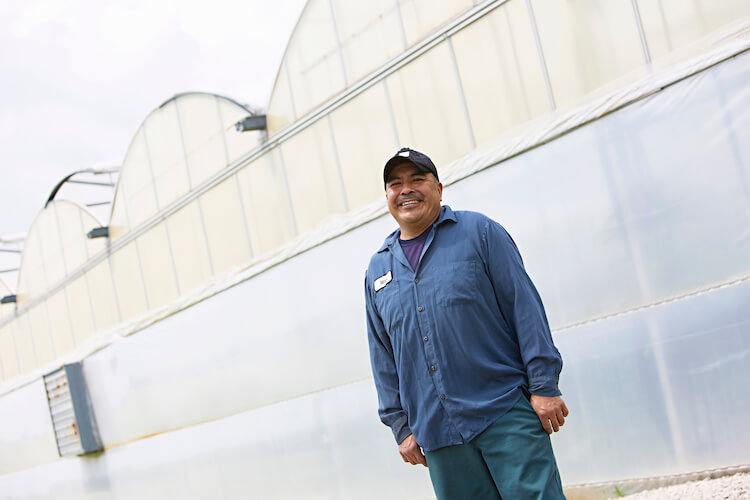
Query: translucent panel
x=586 y=44
x=24 y=343
x=266 y=203
x=73 y=238
x=8 y=353
x=370 y=34
x=280 y=106
x=238 y=143
x=421 y=17
x=6 y=310
x=500 y=71
x=313 y=58
x=189 y=251
x=126 y=270
x=32 y=279
x=314 y=183
x=56 y=245
x=690 y=356
x=59 y=319
x=545 y=204
x=224 y=221
x=670 y=24
x=203 y=136
x=166 y=153
x=426 y=102
x=716 y=14
x=79 y=303
x=156 y=263
x=683 y=215
x=134 y=188
x=118 y=219
x=364 y=140
x=103 y=298
x=629 y=200
x=48 y=240
x=40 y=331
x=179 y=146
x=95 y=245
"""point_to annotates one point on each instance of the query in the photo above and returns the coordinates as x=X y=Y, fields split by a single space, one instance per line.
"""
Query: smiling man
x=462 y=356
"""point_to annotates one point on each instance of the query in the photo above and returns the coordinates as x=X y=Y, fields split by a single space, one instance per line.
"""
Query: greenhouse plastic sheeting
x=633 y=216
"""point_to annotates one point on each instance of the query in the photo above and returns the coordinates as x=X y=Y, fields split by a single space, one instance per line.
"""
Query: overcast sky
x=79 y=76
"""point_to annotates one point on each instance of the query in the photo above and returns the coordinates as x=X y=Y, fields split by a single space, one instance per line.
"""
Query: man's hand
x=551 y=411
x=410 y=451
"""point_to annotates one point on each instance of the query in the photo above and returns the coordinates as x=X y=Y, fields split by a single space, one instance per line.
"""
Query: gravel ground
x=735 y=487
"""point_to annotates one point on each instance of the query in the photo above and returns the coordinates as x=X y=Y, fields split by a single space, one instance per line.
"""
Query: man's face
x=413 y=198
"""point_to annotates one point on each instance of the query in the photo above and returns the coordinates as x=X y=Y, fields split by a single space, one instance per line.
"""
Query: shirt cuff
x=544 y=387
x=401 y=429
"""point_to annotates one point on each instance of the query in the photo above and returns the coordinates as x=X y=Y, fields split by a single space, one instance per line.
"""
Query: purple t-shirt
x=413 y=248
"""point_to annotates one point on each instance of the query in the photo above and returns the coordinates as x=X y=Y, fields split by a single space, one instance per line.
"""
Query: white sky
x=77 y=78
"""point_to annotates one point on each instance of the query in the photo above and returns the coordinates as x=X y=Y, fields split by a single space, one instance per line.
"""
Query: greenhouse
x=217 y=315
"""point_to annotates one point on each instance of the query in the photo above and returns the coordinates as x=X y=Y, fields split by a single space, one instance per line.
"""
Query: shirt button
x=433 y=368
x=416 y=280
x=420 y=309
x=442 y=396
x=426 y=338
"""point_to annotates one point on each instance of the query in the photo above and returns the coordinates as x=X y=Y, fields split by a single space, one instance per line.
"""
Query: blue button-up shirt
x=455 y=342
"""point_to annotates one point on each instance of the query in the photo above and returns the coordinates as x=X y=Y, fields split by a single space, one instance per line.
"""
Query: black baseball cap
x=407 y=155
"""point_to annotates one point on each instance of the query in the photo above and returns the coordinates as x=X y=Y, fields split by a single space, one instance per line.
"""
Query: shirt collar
x=446 y=214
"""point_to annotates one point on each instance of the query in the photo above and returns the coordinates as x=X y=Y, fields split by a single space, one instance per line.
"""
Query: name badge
x=382 y=281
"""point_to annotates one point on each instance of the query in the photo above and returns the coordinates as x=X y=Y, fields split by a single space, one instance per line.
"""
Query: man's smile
x=408 y=203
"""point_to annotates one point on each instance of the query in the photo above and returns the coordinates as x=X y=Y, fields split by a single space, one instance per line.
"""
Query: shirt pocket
x=388 y=303
x=458 y=284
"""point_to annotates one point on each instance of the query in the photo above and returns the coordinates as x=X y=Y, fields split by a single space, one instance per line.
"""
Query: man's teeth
x=410 y=202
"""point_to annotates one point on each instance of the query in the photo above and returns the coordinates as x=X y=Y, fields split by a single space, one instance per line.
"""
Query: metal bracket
x=254 y=122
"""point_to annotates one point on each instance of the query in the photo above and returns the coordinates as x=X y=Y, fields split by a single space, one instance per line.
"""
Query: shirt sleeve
x=522 y=309
x=384 y=371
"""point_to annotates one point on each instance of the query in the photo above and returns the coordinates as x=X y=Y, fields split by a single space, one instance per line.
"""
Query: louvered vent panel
x=70 y=409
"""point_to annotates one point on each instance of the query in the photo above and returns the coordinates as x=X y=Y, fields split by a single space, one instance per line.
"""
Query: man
x=461 y=351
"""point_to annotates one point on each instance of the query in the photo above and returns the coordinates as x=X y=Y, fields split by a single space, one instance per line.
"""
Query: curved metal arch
x=95 y=171
x=197 y=92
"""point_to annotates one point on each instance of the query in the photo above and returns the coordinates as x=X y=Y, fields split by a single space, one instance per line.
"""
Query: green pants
x=511 y=459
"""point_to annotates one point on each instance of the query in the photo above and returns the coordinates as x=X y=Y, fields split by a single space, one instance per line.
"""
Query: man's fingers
x=419 y=459
x=551 y=411
x=410 y=451
x=561 y=418
x=547 y=426
x=414 y=458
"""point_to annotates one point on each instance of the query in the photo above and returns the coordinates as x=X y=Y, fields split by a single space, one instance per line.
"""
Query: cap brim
x=399 y=160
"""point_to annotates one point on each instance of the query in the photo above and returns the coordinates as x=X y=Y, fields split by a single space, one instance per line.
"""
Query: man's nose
x=406 y=187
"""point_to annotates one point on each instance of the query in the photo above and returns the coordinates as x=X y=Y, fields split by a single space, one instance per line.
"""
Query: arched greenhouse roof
x=56 y=245
x=336 y=43
x=179 y=145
